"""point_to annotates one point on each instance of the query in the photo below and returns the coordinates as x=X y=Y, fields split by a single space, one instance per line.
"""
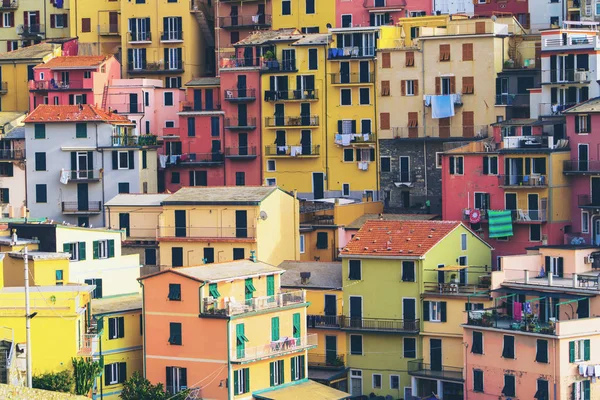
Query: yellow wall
x=344 y=214
x=316 y=300
x=324 y=14
x=42 y=272
x=193 y=251
x=560 y=189
x=98 y=12
x=236 y=288
x=143 y=221
x=311 y=253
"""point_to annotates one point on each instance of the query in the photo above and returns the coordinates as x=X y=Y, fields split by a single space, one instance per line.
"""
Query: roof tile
x=79 y=113
x=73 y=62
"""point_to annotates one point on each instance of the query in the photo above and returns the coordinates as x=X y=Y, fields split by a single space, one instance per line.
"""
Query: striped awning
x=500 y=223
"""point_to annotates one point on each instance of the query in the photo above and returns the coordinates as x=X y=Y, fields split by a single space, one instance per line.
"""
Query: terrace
x=229 y=306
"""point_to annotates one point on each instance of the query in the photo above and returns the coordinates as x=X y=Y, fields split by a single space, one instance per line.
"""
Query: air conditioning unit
x=20 y=29
x=581 y=76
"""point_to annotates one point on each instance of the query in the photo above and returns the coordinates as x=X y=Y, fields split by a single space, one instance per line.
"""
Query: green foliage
x=139 y=388
x=85 y=373
x=54 y=381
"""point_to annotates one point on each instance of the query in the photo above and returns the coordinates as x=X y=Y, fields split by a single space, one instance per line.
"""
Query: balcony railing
x=171 y=36
x=282 y=346
x=516 y=100
x=572 y=41
x=585 y=200
x=127 y=108
x=3 y=87
x=301 y=120
x=228 y=306
x=206 y=159
x=332 y=360
x=459 y=289
x=406 y=132
x=245 y=21
x=523 y=180
x=291 y=95
x=84 y=175
x=230 y=232
x=323 y=321
x=54 y=85
x=380 y=325
x=350 y=52
x=526 y=216
x=348 y=139
x=134 y=141
x=76 y=207
x=279 y=65
x=384 y=3
x=89 y=345
x=232 y=61
x=7 y=154
x=240 y=123
x=139 y=37
x=581 y=166
x=190 y=106
x=528 y=323
x=342 y=79
x=240 y=152
x=109 y=30
x=419 y=368
x=292 y=151
x=9 y=5
x=174 y=66
x=240 y=95
x=33 y=30
x=554 y=108
x=561 y=76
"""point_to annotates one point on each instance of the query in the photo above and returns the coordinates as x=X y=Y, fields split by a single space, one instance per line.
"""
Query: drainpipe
x=422 y=51
x=144 y=326
x=103 y=170
x=327 y=177
x=377 y=158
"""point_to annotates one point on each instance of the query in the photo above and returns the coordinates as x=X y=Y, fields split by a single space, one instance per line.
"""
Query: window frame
x=360 y=95
x=342 y=91
x=119 y=153
x=435 y=308
x=172 y=101
x=353 y=352
x=464 y=242
x=359 y=270
x=412 y=352
x=391 y=383
x=389 y=169
x=302 y=244
x=271 y=165
x=410 y=87
x=585 y=216
x=373 y=377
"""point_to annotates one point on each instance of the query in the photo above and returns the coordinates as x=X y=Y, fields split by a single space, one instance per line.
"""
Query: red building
x=518 y=8
x=378 y=12
x=70 y=80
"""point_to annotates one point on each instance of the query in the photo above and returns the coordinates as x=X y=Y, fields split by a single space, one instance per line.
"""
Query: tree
x=85 y=373
x=54 y=381
x=139 y=388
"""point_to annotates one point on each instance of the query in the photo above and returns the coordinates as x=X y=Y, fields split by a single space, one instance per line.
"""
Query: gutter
x=382 y=256
x=143 y=327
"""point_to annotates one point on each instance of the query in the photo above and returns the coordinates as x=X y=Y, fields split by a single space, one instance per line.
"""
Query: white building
x=453 y=7
x=545 y=14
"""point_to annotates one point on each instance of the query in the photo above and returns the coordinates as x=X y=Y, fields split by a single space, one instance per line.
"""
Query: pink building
x=69 y=80
x=541 y=332
x=377 y=12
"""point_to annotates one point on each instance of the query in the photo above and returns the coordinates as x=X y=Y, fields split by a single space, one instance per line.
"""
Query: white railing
x=89 y=345
x=230 y=306
x=282 y=346
x=582 y=40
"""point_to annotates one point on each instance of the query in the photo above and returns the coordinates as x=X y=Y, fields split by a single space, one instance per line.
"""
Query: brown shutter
x=386 y=61
x=438 y=85
x=413 y=123
x=410 y=58
x=467 y=51
x=86 y=25
x=416 y=86
x=468 y=85
x=452 y=84
x=444 y=52
x=480 y=27
x=384 y=120
x=468 y=122
x=444 y=127
x=385 y=88
x=403 y=88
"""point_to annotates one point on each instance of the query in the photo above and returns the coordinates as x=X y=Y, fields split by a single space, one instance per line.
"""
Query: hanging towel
x=58 y=3
x=64 y=176
x=255 y=19
x=517 y=311
x=162 y=161
x=296 y=151
x=591 y=371
x=366 y=137
x=528 y=308
x=338 y=138
x=442 y=106
x=427 y=100
x=346 y=139
x=582 y=369
x=500 y=223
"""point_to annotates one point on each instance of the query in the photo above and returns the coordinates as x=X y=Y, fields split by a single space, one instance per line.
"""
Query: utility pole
x=27 y=319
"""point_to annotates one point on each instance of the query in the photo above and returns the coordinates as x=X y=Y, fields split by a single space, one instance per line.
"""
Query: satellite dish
x=263 y=215
x=494 y=18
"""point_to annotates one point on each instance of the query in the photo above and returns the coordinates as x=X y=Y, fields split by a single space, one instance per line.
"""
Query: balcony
x=298 y=151
x=9 y=5
x=12 y=155
x=232 y=61
x=301 y=121
x=88 y=345
x=350 y=52
x=45 y=86
x=583 y=167
x=228 y=306
x=168 y=67
x=33 y=30
x=566 y=76
x=139 y=37
x=523 y=181
x=324 y=321
x=430 y=371
x=134 y=141
x=171 y=37
x=275 y=66
x=240 y=152
x=459 y=289
x=221 y=232
x=352 y=78
x=193 y=107
x=500 y=320
x=574 y=5
x=440 y=132
x=78 y=207
x=528 y=142
x=291 y=95
x=240 y=95
x=456 y=99
x=514 y=100
x=109 y=30
x=92 y=175
x=583 y=40
x=332 y=360
x=385 y=5
x=587 y=201
x=380 y=325
x=529 y=216
x=284 y=345
x=127 y=108
x=236 y=123
x=552 y=109
x=201 y=159
x=3 y=87
x=245 y=21
x=350 y=139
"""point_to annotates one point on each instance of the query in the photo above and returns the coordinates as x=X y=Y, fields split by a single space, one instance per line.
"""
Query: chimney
x=304 y=277
x=253 y=256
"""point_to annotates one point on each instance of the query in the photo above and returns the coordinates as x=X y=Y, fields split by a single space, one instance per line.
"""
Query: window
x=508 y=348
x=477 y=346
x=385 y=164
x=115 y=373
x=168 y=98
x=541 y=354
x=444 y=52
x=271 y=165
x=123 y=159
x=348 y=155
x=345 y=189
x=175 y=177
x=583 y=123
x=376 y=381
x=238 y=253
x=322 y=240
x=123 y=187
x=39 y=131
x=434 y=311
x=509 y=385
x=176 y=377
x=395 y=382
x=581 y=390
x=447 y=85
x=477 y=380
x=490 y=165
x=174 y=292
x=149 y=256
x=169 y=124
x=116 y=328
x=86 y=25
x=310 y=29
x=97 y=293
x=408 y=271
x=535 y=233
x=271 y=181
x=579 y=350
x=554 y=21
x=310 y=6
x=404 y=169
x=8 y=20
x=463 y=241
x=276 y=370
x=41 y=193
x=356 y=345
x=286 y=7
x=302 y=244
x=346 y=97
x=346 y=20
x=177 y=256
x=59 y=277
x=81 y=130
x=409 y=60
x=40 y=161
x=103 y=249
x=410 y=348
x=386 y=61
x=384 y=120
x=77 y=250
x=58 y=21
x=473 y=306
x=87 y=74
x=554 y=266
x=173 y=82
x=385 y=88
x=175 y=333
x=585 y=222
x=241 y=381
x=297 y=368
x=198 y=178
x=364 y=96
x=410 y=87
x=313 y=59
x=542 y=392
x=240 y=178
x=354 y=270
x=467 y=52
x=456 y=165
x=468 y=85
x=215 y=126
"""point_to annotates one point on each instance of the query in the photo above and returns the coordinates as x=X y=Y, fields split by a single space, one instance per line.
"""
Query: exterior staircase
x=205 y=20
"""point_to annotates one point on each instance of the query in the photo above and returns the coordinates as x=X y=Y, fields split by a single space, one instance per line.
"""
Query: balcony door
x=582 y=157
x=133 y=103
x=330 y=305
x=241 y=223
x=113 y=22
x=330 y=350
x=344 y=72
x=355 y=311
x=82 y=165
x=364 y=72
x=197 y=99
x=241 y=86
x=279 y=115
x=82 y=197
x=510 y=201
x=180 y=223
x=596 y=191
x=435 y=354
x=533 y=206
x=243 y=144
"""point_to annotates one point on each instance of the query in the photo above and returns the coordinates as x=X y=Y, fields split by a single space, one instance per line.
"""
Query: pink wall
x=360 y=13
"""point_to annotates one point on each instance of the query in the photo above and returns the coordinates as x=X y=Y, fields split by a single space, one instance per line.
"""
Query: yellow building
x=322 y=282
x=97 y=26
x=201 y=225
x=306 y=16
x=16 y=70
x=120 y=331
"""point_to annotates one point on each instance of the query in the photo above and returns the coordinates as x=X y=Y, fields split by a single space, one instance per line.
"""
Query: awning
x=304 y=390
x=327 y=375
x=452 y=268
x=540 y=293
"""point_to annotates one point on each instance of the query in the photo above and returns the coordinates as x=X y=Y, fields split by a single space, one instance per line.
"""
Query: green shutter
x=302 y=367
x=586 y=350
x=213 y=290
x=81 y=130
x=246 y=380
x=586 y=390
x=572 y=352
x=272 y=373
x=271 y=285
x=235 y=383
x=240 y=341
x=111 y=248
x=274 y=329
x=281 y=370
x=573 y=390
x=293 y=368
x=100 y=325
x=82 y=251
x=95 y=247
x=296 y=326
x=40 y=131
x=67 y=247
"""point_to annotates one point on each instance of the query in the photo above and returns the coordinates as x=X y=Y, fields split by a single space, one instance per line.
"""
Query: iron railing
x=506 y=99
x=240 y=151
x=84 y=175
x=581 y=166
x=323 y=321
x=353 y=77
x=240 y=94
x=292 y=151
x=380 y=324
x=171 y=36
x=128 y=108
x=240 y=123
x=207 y=232
x=384 y=3
x=215 y=157
x=139 y=37
x=129 y=141
x=350 y=52
x=566 y=76
x=9 y=5
x=331 y=359
x=585 y=200
x=459 y=289
x=523 y=180
x=498 y=320
x=7 y=154
x=406 y=132
x=245 y=21
x=89 y=345
x=347 y=139
x=190 y=106
x=290 y=95
x=81 y=207
x=282 y=346
x=419 y=368
x=33 y=30
x=301 y=120
x=149 y=67
x=228 y=306
x=58 y=85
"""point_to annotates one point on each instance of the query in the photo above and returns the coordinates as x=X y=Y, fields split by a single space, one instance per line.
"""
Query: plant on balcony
x=54 y=381
x=85 y=372
x=269 y=56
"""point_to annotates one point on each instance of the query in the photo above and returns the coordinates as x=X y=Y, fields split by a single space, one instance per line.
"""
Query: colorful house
x=97 y=26
x=12 y=165
x=311 y=16
x=377 y=12
x=258 y=345
x=387 y=267
x=207 y=225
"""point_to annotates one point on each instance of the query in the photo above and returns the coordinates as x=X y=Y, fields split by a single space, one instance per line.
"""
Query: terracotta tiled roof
x=86 y=112
x=67 y=62
x=398 y=238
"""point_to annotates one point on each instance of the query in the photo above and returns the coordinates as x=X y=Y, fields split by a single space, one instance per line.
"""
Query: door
x=279 y=115
x=124 y=222
x=330 y=350
x=435 y=354
x=241 y=86
x=330 y=305
x=113 y=22
x=532 y=205
x=216 y=151
x=318 y=185
x=242 y=115
x=582 y=156
x=441 y=275
x=305 y=114
x=261 y=14
x=355 y=311
x=364 y=72
x=133 y=103
x=208 y=93
x=82 y=197
x=241 y=223
x=344 y=72
x=510 y=200
x=243 y=144
x=404 y=169
x=356 y=384
x=595 y=191
x=209 y=255
x=82 y=166
x=462 y=260
x=306 y=142
x=197 y=100
x=597 y=231
x=234 y=15
x=408 y=310
x=180 y=223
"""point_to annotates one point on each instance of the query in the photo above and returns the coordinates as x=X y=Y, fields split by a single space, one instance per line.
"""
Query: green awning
x=500 y=223
x=250 y=286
